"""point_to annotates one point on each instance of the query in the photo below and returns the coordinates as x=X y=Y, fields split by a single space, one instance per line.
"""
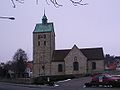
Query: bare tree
x=19 y=62
x=54 y=2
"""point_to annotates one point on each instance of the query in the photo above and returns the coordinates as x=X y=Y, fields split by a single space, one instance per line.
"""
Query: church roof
x=90 y=53
x=44 y=26
x=93 y=53
x=48 y=27
x=59 y=55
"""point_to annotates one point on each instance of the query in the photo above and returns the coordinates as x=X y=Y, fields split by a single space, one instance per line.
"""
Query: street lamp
x=11 y=18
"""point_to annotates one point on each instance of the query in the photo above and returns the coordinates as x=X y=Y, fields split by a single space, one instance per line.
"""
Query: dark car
x=105 y=80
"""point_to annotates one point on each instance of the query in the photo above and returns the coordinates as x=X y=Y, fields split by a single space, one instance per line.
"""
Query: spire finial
x=44 y=19
x=44 y=10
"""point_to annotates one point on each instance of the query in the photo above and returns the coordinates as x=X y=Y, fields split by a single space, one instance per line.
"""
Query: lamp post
x=11 y=18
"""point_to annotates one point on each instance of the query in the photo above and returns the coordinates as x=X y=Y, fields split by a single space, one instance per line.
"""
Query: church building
x=47 y=61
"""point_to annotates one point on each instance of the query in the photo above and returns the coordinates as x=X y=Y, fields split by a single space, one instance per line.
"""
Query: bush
x=44 y=79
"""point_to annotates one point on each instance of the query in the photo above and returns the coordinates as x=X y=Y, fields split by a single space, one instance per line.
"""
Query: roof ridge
x=61 y=49
x=92 y=48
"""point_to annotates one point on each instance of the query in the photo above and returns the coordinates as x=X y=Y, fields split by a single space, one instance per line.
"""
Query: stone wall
x=99 y=66
x=54 y=68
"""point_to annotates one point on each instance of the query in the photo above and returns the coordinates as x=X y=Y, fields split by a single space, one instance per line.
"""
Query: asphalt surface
x=74 y=84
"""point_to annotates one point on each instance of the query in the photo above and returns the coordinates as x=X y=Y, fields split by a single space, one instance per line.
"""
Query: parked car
x=104 y=80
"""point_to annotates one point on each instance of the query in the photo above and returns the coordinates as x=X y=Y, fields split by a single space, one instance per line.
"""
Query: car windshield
x=109 y=76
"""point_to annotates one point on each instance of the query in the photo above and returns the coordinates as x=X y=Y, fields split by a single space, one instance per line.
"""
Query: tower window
x=45 y=43
x=75 y=66
x=38 y=43
x=44 y=36
x=38 y=36
x=43 y=67
x=60 y=68
x=93 y=65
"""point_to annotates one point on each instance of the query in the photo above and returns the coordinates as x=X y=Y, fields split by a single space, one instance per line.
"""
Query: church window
x=38 y=43
x=75 y=58
x=93 y=65
x=45 y=43
x=43 y=67
x=75 y=66
x=60 y=67
x=44 y=36
x=38 y=36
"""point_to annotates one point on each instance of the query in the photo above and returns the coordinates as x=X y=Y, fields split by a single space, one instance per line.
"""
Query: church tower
x=43 y=47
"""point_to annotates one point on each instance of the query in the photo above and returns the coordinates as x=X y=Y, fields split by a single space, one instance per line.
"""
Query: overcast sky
x=94 y=25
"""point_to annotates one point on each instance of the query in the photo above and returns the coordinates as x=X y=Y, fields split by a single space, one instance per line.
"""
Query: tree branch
x=13 y=3
x=79 y=2
x=19 y=1
x=47 y=2
x=36 y=1
x=54 y=2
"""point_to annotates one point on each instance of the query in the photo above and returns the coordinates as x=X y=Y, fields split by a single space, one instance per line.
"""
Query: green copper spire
x=44 y=18
x=44 y=26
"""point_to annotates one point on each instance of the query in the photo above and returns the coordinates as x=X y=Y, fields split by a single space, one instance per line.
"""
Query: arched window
x=60 y=67
x=75 y=58
x=75 y=66
x=93 y=65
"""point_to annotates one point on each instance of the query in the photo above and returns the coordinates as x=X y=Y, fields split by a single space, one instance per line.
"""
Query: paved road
x=74 y=84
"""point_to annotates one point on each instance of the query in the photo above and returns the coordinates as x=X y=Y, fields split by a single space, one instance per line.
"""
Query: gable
x=75 y=56
x=75 y=52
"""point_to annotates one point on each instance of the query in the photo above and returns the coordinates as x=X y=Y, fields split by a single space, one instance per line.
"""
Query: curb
x=24 y=85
